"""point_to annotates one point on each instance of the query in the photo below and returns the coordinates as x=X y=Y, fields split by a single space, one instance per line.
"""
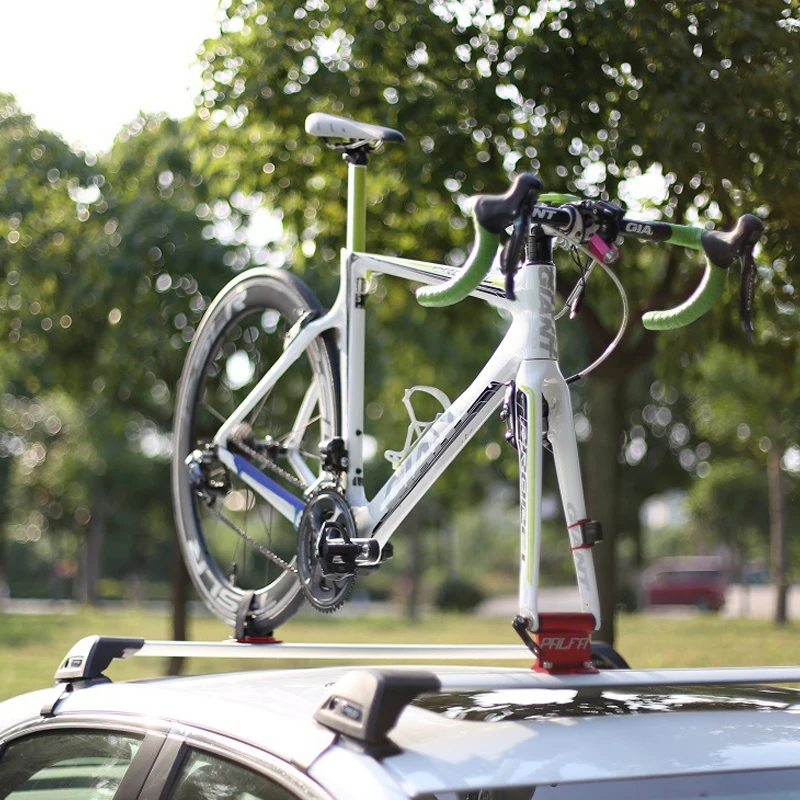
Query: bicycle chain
x=266 y=552
x=266 y=463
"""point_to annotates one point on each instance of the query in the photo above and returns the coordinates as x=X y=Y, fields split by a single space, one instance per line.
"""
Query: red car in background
x=698 y=581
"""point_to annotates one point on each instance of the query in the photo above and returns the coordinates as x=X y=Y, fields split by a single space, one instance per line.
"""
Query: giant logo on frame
x=547 y=303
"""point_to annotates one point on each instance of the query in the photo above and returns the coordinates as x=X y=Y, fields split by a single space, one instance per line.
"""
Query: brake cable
x=575 y=300
x=586 y=269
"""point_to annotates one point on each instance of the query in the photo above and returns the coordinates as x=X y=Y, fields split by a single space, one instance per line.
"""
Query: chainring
x=329 y=510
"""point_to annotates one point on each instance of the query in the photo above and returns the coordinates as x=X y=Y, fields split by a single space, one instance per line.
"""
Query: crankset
x=327 y=552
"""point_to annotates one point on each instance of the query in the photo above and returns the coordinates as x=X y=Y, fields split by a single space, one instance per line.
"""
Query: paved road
x=740 y=601
x=757 y=602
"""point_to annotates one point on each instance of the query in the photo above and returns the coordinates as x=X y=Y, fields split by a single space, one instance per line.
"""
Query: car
x=431 y=733
x=698 y=581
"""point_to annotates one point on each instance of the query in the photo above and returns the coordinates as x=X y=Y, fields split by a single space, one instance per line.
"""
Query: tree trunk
x=603 y=475
x=93 y=554
x=5 y=471
x=180 y=593
x=412 y=534
x=779 y=533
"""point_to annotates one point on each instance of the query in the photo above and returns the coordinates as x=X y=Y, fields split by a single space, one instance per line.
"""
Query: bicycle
x=271 y=376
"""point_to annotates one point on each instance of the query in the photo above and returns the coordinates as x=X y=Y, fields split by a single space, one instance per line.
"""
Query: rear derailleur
x=207 y=476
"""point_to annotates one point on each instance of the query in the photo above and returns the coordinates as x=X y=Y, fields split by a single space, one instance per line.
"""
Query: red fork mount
x=562 y=643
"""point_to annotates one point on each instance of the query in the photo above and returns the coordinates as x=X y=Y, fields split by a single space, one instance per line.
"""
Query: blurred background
x=149 y=152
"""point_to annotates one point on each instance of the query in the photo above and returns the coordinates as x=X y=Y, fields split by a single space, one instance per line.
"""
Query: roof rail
x=364 y=705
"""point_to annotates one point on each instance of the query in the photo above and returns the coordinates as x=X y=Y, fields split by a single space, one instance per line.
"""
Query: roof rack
x=90 y=656
x=364 y=705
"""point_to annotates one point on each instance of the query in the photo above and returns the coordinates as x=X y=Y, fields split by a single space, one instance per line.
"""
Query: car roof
x=458 y=741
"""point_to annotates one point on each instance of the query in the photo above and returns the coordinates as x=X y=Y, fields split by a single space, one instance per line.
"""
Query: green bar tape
x=466 y=280
x=704 y=297
x=686 y=236
x=558 y=199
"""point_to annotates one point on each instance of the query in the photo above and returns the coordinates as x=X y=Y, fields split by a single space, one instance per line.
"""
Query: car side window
x=205 y=776
x=66 y=765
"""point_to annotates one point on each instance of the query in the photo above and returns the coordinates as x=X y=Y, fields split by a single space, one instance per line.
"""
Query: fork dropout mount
x=562 y=644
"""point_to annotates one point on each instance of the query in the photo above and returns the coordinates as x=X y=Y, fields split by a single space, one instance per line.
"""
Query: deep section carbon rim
x=241 y=337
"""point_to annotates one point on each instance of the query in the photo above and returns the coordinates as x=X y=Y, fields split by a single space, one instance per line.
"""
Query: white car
x=444 y=733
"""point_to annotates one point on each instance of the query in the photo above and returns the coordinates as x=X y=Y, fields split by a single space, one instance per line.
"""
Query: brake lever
x=747 y=291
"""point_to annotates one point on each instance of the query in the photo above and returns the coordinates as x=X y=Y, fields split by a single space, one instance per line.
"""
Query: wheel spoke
x=212 y=410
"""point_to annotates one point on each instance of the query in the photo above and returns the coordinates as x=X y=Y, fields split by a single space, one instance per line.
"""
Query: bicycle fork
x=539 y=381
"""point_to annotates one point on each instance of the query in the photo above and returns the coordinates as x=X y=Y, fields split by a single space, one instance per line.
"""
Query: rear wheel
x=604 y=656
x=226 y=529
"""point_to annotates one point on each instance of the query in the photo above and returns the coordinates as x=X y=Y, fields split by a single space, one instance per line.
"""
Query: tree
x=104 y=264
x=751 y=404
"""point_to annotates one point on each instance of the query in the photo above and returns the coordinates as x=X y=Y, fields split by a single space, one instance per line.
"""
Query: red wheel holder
x=564 y=641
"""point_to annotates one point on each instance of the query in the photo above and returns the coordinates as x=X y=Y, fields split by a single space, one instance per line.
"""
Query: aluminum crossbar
x=326 y=652
x=364 y=705
x=91 y=655
x=609 y=680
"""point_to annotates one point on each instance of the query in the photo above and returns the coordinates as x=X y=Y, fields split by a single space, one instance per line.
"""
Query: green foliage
x=458 y=594
x=729 y=505
x=749 y=399
x=103 y=267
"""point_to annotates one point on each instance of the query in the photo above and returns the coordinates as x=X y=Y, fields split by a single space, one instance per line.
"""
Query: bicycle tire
x=248 y=316
x=604 y=656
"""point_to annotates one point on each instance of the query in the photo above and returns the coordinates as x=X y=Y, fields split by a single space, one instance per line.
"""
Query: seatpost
x=357 y=204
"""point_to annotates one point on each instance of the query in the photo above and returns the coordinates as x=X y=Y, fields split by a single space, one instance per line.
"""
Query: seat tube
x=353 y=363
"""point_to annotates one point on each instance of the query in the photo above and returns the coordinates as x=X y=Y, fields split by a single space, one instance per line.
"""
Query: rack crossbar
x=609 y=680
x=90 y=656
x=365 y=704
x=332 y=652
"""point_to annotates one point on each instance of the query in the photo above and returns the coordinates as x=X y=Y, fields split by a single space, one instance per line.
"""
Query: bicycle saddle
x=329 y=126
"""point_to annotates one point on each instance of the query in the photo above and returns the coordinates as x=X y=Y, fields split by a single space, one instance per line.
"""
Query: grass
x=32 y=645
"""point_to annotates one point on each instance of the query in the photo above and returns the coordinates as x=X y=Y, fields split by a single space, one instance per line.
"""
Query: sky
x=84 y=68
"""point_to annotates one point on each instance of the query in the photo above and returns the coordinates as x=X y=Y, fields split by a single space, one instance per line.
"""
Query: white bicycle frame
x=527 y=355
